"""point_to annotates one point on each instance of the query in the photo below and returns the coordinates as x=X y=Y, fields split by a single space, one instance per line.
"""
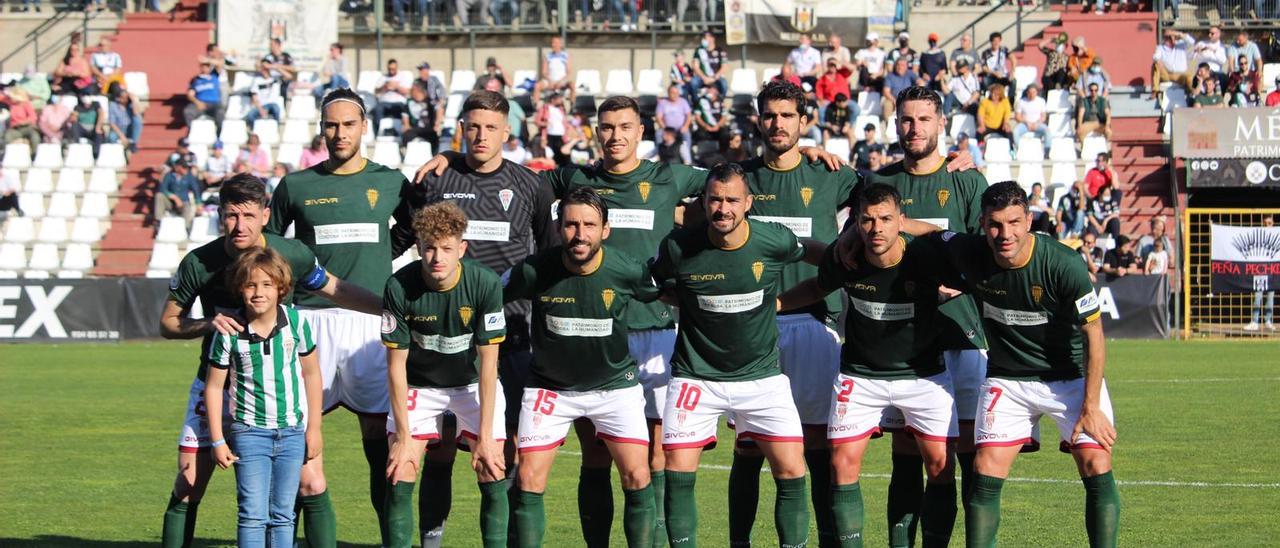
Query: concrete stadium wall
x=14 y=28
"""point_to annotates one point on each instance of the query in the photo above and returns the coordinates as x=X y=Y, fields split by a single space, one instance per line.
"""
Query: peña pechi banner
x=1244 y=259
x=781 y=22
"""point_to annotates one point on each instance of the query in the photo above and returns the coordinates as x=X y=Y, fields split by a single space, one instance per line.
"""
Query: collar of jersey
x=457 y=277
x=744 y=240
x=364 y=162
x=1029 y=255
x=799 y=162
x=599 y=263
x=612 y=172
x=941 y=165
x=282 y=321
x=903 y=241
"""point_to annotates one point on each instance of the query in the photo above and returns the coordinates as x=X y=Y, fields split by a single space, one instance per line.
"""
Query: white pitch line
x=1141 y=483
x=1193 y=381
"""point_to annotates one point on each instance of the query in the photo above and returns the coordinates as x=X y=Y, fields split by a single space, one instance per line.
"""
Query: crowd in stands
x=624 y=15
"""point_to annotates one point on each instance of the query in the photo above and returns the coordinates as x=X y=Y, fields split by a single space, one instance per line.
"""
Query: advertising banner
x=1233 y=172
x=1244 y=259
x=91 y=310
x=1252 y=132
x=1134 y=307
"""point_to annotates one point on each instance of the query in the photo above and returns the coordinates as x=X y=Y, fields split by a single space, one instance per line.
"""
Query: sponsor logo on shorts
x=535 y=438
x=840 y=429
x=495 y=321
x=678 y=435
x=991 y=437
x=388 y=322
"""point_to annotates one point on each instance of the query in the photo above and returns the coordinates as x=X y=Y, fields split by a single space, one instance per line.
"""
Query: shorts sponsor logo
x=885 y=312
x=388 y=322
x=487 y=231
x=731 y=304
x=347 y=233
x=442 y=344
x=991 y=437
x=840 y=429
x=802 y=227
x=495 y=321
x=535 y=438
x=636 y=219
x=579 y=327
x=1087 y=303
x=678 y=435
x=1017 y=318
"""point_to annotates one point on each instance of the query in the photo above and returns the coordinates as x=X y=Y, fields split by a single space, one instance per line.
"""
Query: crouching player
x=891 y=358
x=442 y=323
x=583 y=367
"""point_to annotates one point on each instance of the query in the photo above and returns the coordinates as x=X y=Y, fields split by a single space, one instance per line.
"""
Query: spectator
x=709 y=65
x=710 y=122
x=1146 y=244
x=904 y=51
x=552 y=120
x=507 y=12
x=217 y=166
x=333 y=71
x=1257 y=310
x=812 y=115
x=788 y=74
x=842 y=55
x=264 y=96
x=806 y=60
x=392 y=91
x=1120 y=261
x=706 y=9
x=106 y=65
x=1169 y=63
x=579 y=146
x=37 y=87
x=963 y=91
x=834 y=81
x=1202 y=74
x=1091 y=254
x=737 y=150
x=1244 y=56
x=670 y=149
x=1157 y=261
x=124 y=124
x=540 y=161
x=1102 y=174
x=254 y=159
x=280 y=64
x=217 y=59
x=1031 y=115
x=513 y=151
x=964 y=54
x=1072 y=212
x=22 y=117
x=53 y=119
x=995 y=117
x=871 y=66
x=1080 y=60
x=1212 y=96
x=1041 y=221
x=901 y=78
x=421 y=120
x=966 y=144
x=515 y=112
x=1242 y=87
x=90 y=122
x=837 y=121
x=1211 y=51
x=278 y=171
x=204 y=95
x=862 y=150
x=421 y=13
x=26 y=5
x=1104 y=214
x=313 y=154
x=555 y=72
x=9 y=196
x=681 y=74
x=1093 y=115
x=1094 y=75
x=492 y=71
x=878 y=159
x=182 y=153
x=1055 y=74
x=179 y=191
x=437 y=97
x=674 y=113
x=996 y=63
x=933 y=62
x=73 y=75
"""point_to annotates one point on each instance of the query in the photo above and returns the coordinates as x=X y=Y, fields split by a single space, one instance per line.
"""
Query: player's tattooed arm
x=1092 y=421
x=174 y=323
x=315 y=402
x=803 y=294
x=486 y=456
x=351 y=296
x=402 y=453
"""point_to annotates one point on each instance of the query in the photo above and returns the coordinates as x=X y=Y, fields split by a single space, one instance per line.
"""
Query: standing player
x=200 y=276
x=583 y=367
x=508 y=215
x=725 y=275
x=948 y=199
x=442 y=323
x=1048 y=356
x=889 y=360
x=341 y=209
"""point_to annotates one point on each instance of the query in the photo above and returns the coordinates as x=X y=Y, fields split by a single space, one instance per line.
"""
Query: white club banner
x=307 y=27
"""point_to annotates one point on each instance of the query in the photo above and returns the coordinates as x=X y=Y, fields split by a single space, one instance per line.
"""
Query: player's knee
x=530 y=480
x=939 y=468
x=904 y=444
x=312 y=484
x=845 y=466
x=1093 y=462
x=635 y=478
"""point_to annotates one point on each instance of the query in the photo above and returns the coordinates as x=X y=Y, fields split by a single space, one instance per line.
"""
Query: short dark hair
x=342 y=94
x=879 y=193
x=393 y=60
x=484 y=99
x=618 y=102
x=1002 y=195
x=1105 y=156
x=995 y=35
x=919 y=93
x=583 y=195
x=780 y=90
x=724 y=171
x=337 y=45
x=242 y=188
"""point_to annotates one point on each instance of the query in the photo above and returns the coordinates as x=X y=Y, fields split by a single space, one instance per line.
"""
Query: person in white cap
x=870 y=62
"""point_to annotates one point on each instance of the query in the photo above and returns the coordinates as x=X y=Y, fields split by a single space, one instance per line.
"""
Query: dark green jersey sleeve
x=395 y=323
x=644 y=288
x=662 y=268
x=559 y=179
x=690 y=179
x=830 y=271
x=281 y=213
x=971 y=183
x=790 y=249
x=402 y=236
x=184 y=286
x=519 y=282
x=490 y=325
x=1080 y=299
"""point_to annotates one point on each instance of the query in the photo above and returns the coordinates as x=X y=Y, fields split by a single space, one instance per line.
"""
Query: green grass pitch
x=88 y=435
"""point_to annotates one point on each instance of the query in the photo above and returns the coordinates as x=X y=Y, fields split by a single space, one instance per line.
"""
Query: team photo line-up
x=638 y=302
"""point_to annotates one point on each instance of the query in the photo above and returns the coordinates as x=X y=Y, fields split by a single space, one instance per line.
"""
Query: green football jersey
x=441 y=329
x=891 y=327
x=345 y=220
x=1032 y=314
x=202 y=275
x=728 y=300
x=804 y=199
x=952 y=201
x=579 y=321
x=642 y=204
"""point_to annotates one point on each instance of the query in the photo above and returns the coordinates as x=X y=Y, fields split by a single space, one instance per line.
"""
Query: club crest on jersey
x=644 y=188
x=372 y=196
x=943 y=196
x=607 y=295
x=505 y=195
x=757 y=270
x=1036 y=293
x=465 y=312
x=841 y=411
x=806 y=195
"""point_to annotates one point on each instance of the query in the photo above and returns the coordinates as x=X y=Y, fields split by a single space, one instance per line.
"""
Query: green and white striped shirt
x=266 y=379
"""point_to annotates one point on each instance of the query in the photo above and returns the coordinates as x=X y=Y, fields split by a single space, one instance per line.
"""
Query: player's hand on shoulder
x=223 y=456
x=960 y=161
x=227 y=324
x=834 y=163
x=437 y=165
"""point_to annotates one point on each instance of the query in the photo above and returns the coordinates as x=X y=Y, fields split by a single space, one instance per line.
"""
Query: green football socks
x=658 y=480
x=982 y=515
x=791 y=512
x=399 y=514
x=1101 y=509
x=319 y=520
x=682 y=509
x=819 y=461
x=375 y=453
x=493 y=513
x=744 y=497
x=179 y=523
x=964 y=462
x=595 y=506
x=638 y=516
x=906 y=490
x=531 y=519
x=846 y=505
x=938 y=514
x=435 y=497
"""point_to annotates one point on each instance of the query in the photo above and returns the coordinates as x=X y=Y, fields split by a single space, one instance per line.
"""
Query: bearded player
x=342 y=208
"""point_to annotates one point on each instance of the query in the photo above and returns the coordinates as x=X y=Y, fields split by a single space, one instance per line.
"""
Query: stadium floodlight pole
x=563 y=6
x=379 y=13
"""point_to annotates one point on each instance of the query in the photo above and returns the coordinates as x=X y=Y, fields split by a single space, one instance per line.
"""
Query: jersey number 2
x=846 y=388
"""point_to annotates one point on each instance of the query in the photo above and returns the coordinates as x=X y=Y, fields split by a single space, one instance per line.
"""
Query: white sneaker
x=1271 y=326
x=1252 y=326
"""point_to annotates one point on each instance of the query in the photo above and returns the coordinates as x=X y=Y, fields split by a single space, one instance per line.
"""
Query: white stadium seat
x=807 y=142
x=78 y=257
x=891 y=130
x=62 y=205
x=17 y=155
x=297 y=131
x=649 y=82
x=520 y=77
x=1025 y=75
x=103 y=180
x=204 y=229
x=172 y=230
x=13 y=258
x=289 y=153
x=44 y=257
x=137 y=84
x=39 y=179
x=869 y=102
x=461 y=81
x=237 y=107
x=588 y=82
x=241 y=82
x=79 y=155
x=1030 y=173
x=267 y=130
x=234 y=132
x=52 y=230
x=48 y=156
x=838 y=147
x=86 y=230
x=1269 y=73
x=618 y=82
x=164 y=256
x=1061 y=125
x=1058 y=100
x=1093 y=146
x=203 y=132
x=859 y=133
x=998 y=172
x=998 y=150
x=94 y=204
x=368 y=81
x=744 y=81
x=387 y=154
x=767 y=75
x=647 y=150
x=963 y=123
x=71 y=180
x=1062 y=149
x=1063 y=173
x=452 y=109
x=20 y=230
x=111 y=155
x=1174 y=97
x=302 y=107
x=416 y=153
x=12 y=178
x=1030 y=149
x=31 y=204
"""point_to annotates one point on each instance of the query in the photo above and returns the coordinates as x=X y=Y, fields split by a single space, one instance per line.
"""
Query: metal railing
x=38 y=41
x=972 y=28
x=554 y=16
x=1201 y=14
